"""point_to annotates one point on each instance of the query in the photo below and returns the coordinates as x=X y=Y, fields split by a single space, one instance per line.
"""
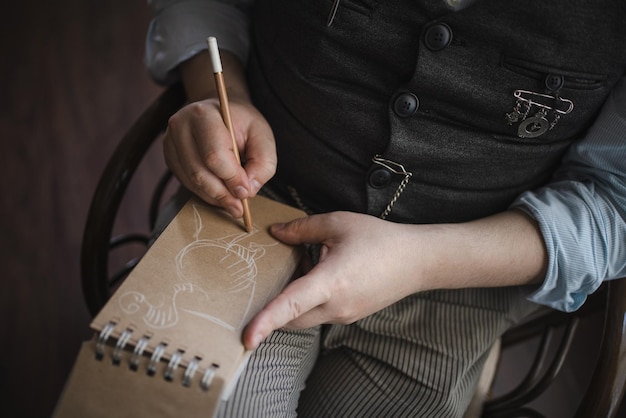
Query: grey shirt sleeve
x=179 y=30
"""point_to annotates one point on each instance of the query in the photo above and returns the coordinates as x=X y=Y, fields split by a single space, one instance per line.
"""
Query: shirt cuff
x=574 y=253
x=179 y=31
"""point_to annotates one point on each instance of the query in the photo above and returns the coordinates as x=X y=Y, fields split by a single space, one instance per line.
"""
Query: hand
x=199 y=150
x=362 y=269
x=198 y=147
x=366 y=264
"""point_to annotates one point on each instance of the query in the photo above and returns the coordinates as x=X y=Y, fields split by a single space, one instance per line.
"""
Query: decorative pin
x=333 y=12
x=534 y=126
x=548 y=107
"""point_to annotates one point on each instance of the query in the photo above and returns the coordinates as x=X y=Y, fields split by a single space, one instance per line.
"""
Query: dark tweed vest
x=430 y=90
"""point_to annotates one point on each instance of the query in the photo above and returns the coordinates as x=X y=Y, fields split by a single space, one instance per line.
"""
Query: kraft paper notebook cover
x=168 y=342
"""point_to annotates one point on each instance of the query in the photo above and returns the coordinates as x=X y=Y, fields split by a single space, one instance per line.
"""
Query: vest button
x=437 y=36
x=554 y=82
x=405 y=104
x=379 y=178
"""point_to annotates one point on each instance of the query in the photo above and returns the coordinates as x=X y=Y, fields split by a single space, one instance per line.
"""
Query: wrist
x=505 y=249
x=199 y=80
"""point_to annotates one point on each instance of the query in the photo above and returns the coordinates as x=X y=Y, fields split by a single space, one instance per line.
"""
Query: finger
x=312 y=318
x=296 y=300
x=260 y=157
x=188 y=168
x=310 y=230
x=218 y=154
x=205 y=145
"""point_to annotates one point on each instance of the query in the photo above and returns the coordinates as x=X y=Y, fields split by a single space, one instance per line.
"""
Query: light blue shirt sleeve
x=179 y=30
x=582 y=212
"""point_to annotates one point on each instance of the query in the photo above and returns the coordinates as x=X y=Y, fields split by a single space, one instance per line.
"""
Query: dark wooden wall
x=72 y=81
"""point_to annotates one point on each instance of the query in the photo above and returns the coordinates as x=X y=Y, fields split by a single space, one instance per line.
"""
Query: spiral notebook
x=168 y=342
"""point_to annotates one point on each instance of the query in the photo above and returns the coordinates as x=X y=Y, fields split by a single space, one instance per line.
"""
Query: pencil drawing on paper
x=217 y=281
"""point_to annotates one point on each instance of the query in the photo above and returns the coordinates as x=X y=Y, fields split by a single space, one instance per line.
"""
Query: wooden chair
x=604 y=391
x=98 y=241
x=555 y=332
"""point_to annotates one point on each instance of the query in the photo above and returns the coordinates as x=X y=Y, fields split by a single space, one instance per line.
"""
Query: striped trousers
x=420 y=357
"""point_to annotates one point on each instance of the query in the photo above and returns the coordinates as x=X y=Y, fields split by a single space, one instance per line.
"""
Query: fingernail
x=256 y=340
x=241 y=192
x=277 y=227
x=233 y=211
x=255 y=186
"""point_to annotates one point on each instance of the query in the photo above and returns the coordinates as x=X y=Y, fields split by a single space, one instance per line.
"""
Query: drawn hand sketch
x=214 y=274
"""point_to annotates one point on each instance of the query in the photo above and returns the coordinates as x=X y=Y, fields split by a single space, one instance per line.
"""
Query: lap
x=271 y=383
x=419 y=357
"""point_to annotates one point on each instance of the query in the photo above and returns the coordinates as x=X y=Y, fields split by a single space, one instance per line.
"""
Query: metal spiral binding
x=102 y=339
x=173 y=365
x=156 y=358
x=121 y=343
x=138 y=353
x=192 y=368
x=208 y=376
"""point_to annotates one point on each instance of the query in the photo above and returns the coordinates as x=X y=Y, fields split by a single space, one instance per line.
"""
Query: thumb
x=309 y=230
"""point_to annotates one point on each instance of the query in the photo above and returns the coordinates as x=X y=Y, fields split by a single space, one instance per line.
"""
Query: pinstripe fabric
x=420 y=357
x=275 y=375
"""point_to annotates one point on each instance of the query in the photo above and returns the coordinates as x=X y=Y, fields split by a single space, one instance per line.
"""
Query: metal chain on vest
x=399 y=169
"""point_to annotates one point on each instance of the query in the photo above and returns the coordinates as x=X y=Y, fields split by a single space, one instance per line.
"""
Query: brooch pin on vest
x=546 y=107
x=333 y=12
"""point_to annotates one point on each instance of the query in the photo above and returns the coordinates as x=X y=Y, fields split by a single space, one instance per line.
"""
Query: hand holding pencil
x=198 y=146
